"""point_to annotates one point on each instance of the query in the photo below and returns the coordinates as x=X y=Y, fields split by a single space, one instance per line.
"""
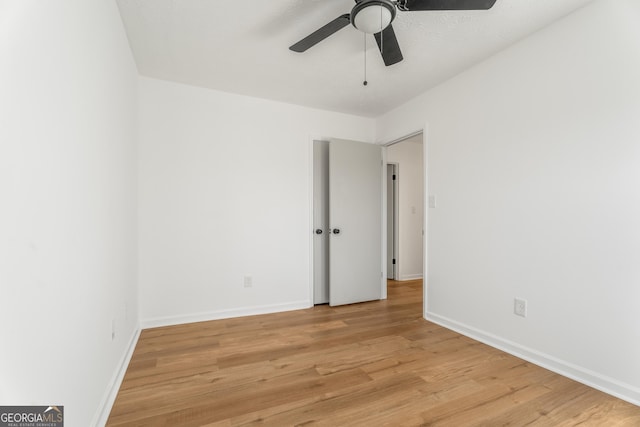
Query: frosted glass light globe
x=372 y=19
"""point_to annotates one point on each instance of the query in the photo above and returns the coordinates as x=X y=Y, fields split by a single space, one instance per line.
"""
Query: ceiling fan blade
x=411 y=5
x=389 y=47
x=317 y=36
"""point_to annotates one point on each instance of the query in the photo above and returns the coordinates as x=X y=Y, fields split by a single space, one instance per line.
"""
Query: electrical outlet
x=248 y=281
x=520 y=307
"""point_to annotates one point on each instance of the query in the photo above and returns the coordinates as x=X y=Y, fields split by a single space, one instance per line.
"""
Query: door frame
x=425 y=206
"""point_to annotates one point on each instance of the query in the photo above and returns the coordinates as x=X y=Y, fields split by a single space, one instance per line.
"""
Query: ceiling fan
x=375 y=17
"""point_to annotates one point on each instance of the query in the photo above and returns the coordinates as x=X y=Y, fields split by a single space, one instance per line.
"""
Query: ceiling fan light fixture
x=373 y=16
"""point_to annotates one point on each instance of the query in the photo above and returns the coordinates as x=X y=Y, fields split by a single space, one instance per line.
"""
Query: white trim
x=383 y=225
x=104 y=409
x=224 y=314
x=425 y=216
x=406 y=277
x=403 y=138
x=585 y=376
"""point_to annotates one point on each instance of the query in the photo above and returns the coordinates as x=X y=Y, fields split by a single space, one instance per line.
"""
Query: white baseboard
x=593 y=379
x=223 y=314
x=102 y=415
x=405 y=277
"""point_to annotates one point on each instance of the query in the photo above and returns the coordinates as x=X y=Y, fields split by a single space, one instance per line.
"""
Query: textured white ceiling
x=242 y=47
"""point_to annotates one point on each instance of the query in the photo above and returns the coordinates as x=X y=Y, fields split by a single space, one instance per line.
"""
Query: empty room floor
x=369 y=364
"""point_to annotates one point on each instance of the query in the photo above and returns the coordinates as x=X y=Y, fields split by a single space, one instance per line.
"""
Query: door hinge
x=393 y=262
x=394 y=177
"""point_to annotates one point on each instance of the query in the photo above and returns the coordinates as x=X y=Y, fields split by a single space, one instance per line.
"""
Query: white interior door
x=355 y=216
x=320 y=222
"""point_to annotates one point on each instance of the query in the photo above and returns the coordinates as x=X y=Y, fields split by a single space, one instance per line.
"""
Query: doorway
x=405 y=205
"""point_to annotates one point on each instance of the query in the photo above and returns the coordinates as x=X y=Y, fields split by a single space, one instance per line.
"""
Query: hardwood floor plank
x=370 y=364
x=342 y=403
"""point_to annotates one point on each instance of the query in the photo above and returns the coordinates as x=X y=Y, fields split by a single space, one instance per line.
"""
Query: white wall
x=534 y=157
x=225 y=191
x=408 y=155
x=67 y=203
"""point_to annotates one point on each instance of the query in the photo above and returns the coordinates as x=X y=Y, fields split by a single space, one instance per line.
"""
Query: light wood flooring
x=371 y=364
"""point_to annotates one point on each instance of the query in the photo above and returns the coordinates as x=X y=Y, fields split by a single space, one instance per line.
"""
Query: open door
x=355 y=215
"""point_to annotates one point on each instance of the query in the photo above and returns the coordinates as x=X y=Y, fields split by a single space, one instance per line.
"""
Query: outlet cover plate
x=520 y=307
x=248 y=281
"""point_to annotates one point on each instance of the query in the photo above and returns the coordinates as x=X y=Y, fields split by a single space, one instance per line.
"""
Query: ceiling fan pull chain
x=364 y=83
x=381 y=30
